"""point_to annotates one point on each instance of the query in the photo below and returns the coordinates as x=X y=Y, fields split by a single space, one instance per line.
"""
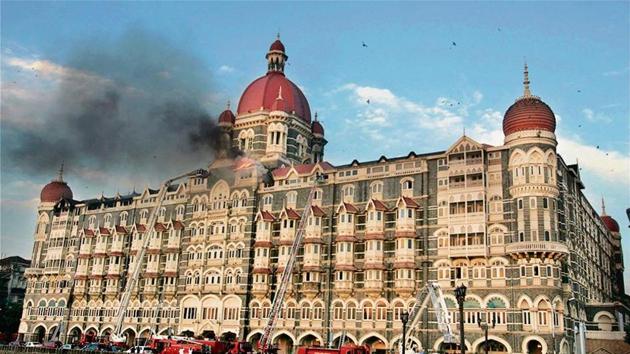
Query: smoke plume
x=135 y=105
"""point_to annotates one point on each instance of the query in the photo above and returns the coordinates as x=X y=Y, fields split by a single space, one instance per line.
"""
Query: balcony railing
x=543 y=247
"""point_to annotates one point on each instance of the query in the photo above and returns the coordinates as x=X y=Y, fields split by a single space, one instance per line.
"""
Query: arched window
x=107 y=221
x=123 y=218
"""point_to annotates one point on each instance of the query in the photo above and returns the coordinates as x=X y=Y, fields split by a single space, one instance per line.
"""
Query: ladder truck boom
x=278 y=301
x=431 y=291
x=132 y=281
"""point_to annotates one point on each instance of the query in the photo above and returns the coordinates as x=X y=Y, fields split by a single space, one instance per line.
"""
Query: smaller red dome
x=277 y=45
x=317 y=128
x=610 y=223
x=227 y=117
x=55 y=191
x=529 y=113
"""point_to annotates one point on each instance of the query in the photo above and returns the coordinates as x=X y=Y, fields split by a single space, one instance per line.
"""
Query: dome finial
x=526 y=91
x=603 y=206
x=60 y=173
x=278 y=35
x=316 y=116
x=228 y=105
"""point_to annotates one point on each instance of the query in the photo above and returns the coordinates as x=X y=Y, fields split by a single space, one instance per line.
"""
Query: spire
x=603 y=206
x=60 y=174
x=278 y=35
x=526 y=91
x=228 y=105
x=316 y=116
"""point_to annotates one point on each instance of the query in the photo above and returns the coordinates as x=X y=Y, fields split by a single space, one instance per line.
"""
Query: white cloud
x=609 y=165
x=226 y=69
x=592 y=116
x=54 y=71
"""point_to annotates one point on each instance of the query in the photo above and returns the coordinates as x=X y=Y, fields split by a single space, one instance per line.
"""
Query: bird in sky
x=454 y=44
x=368 y=101
x=579 y=91
x=363 y=44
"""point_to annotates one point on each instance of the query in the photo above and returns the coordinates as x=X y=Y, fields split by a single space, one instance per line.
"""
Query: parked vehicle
x=344 y=349
x=17 y=343
x=67 y=346
x=33 y=345
x=140 y=349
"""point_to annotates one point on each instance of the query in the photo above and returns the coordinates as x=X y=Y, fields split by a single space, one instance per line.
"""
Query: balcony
x=543 y=248
x=466 y=251
x=344 y=287
x=404 y=287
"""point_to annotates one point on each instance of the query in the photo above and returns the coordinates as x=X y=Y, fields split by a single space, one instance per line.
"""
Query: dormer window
x=123 y=218
x=376 y=190
x=348 y=193
x=108 y=221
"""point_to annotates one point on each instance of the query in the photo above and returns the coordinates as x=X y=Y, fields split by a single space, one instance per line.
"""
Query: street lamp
x=484 y=326
x=460 y=294
x=404 y=317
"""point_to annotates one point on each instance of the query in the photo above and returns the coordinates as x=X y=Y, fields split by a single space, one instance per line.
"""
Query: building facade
x=510 y=222
x=12 y=280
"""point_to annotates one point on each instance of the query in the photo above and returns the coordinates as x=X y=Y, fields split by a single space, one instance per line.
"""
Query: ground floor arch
x=39 y=333
x=413 y=343
x=377 y=343
x=449 y=348
x=130 y=335
x=285 y=342
x=534 y=345
x=347 y=339
x=74 y=335
x=495 y=345
x=310 y=339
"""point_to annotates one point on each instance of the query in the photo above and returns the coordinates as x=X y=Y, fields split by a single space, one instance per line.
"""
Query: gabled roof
x=460 y=145
x=121 y=229
x=88 y=232
x=159 y=227
x=349 y=208
x=408 y=202
x=290 y=214
x=378 y=205
x=317 y=211
x=303 y=169
x=103 y=231
x=266 y=216
x=140 y=228
x=178 y=225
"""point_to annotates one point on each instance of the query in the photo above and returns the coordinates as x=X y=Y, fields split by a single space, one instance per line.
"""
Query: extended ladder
x=283 y=284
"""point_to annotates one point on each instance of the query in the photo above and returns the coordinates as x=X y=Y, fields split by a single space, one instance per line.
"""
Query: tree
x=11 y=313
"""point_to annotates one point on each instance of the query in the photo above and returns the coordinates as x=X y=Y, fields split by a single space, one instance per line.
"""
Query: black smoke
x=133 y=105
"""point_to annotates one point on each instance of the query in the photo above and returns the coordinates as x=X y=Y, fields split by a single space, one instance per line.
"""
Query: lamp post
x=484 y=326
x=404 y=317
x=460 y=294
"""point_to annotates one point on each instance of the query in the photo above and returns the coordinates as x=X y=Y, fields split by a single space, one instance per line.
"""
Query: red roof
x=88 y=232
x=54 y=191
x=267 y=216
x=159 y=227
x=227 y=117
x=178 y=225
x=277 y=45
x=350 y=208
x=141 y=228
x=292 y=214
x=317 y=211
x=261 y=94
x=317 y=128
x=120 y=229
x=103 y=230
x=611 y=224
x=378 y=205
x=410 y=202
x=529 y=113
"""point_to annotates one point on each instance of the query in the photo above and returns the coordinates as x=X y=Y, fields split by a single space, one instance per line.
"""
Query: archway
x=130 y=334
x=449 y=348
x=348 y=339
x=106 y=334
x=39 y=334
x=144 y=336
x=90 y=335
x=284 y=343
x=534 y=347
x=75 y=335
x=254 y=338
x=309 y=340
x=494 y=347
x=51 y=333
x=377 y=345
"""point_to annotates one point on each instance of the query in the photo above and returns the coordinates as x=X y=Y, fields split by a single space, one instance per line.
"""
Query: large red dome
x=528 y=113
x=54 y=191
x=610 y=223
x=262 y=93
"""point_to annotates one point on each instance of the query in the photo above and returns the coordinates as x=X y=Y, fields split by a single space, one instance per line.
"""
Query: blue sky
x=578 y=55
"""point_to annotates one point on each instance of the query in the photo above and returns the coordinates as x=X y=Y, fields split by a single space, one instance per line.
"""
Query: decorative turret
x=227 y=118
x=611 y=224
x=276 y=56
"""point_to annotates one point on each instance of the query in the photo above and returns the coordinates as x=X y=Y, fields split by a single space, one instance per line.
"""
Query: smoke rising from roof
x=135 y=105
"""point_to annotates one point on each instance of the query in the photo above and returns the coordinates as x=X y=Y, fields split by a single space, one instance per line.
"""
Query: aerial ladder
x=117 y=335
x=265 y=344
x=431 y=291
